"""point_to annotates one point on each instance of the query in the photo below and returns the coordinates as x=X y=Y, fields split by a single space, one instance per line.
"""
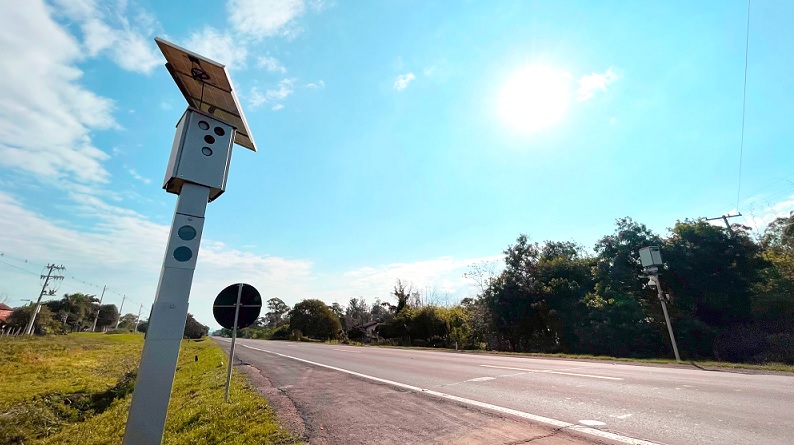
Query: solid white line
x=547 y=371
x=488 y=406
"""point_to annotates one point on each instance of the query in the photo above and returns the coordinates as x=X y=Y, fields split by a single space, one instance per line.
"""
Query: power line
x=17 y=267
x=744 y=104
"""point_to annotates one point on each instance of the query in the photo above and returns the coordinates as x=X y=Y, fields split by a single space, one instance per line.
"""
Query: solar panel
x=206 y=87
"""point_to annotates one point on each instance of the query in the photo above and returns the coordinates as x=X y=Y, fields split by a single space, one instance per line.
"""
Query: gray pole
x=118 y=320
x=93 y=328
x=234 y=339
x=138 y=320
x=29 y=327
x=667 y=318
x=167 y=321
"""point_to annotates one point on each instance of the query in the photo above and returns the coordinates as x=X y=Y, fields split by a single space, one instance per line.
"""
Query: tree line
x=730 y=297
x=78 y=312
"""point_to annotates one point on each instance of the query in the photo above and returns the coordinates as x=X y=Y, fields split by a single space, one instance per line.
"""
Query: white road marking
x=546 y=371
x=481 y=379
x=483 y=405
x=592 y=423
x=347 y=350
x=623 y=416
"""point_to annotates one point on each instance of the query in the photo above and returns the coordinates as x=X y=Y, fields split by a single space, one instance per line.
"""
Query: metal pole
x=138 y=319
x=93 y=328
x=667 y=318
x=152 y=393
x=234 y=340
x=29 y=327
x=118 y=320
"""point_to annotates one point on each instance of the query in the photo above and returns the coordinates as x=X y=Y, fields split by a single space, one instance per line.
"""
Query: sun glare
x=534 y=98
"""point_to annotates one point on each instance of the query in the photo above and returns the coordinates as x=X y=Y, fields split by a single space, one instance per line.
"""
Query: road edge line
x=471 y=402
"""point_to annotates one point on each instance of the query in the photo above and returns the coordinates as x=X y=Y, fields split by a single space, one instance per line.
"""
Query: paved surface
x=414 y=396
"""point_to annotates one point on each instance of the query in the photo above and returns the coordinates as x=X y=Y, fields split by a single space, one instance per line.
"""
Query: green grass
x=76 y=390
x=777 y=367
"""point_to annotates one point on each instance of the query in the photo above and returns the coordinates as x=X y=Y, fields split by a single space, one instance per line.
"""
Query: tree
x=357 y=313
x=621 y=316
x=314 y=319
x=533 y=302
x=276 y=311
x=108 y=314
x=711 y=272
x=127 y=322
x=80 y=310
x=404 y=292
x=339 y=311
x=45 y=322
x=194 y=329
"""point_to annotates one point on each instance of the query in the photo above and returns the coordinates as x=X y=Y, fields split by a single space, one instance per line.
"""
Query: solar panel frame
x=206 y=86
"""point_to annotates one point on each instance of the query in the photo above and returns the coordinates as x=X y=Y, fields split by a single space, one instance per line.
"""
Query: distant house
x=369 y=329
x=5 y=312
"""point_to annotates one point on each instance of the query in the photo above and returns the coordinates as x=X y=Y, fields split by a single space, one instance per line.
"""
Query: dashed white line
x=483 y=405
x=347 y=350
x=481 y=379
x=547 y=371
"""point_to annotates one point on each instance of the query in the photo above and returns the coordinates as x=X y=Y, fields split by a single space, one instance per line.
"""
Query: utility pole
x=96 y=318
x=118 y=320
x=725 y=218
x=46 y=278
x=138 y=320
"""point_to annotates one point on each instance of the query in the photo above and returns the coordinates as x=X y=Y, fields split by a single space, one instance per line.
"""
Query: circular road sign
x=250 y=305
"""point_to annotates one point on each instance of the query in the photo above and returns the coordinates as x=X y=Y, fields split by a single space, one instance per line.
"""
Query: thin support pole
x=234 y=340
x=667 y=319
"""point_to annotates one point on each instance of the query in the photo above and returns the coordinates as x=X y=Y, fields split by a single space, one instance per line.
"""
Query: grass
x=777 y=367
x=76 y=389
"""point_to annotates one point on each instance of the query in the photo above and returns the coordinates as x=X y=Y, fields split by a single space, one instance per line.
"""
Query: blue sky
x=398 y=139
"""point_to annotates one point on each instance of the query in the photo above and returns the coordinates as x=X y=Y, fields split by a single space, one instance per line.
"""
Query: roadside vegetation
x=731 y=300
x=76 y=389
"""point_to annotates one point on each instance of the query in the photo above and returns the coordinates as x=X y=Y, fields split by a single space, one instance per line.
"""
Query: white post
x=167 y=322
x=121 y=308
x=96 y=318
x=234 y=340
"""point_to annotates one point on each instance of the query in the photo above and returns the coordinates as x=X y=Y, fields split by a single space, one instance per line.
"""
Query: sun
x=534 y=98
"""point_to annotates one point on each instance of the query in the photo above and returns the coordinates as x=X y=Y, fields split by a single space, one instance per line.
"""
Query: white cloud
x=402 y=81
x=220 y=47
x=128 y=44
x=759 y=218
x=277 y=107
x=124 y=250
x=444 y=275
x=316 y=85
x=46 y=116
x=590 y=83
x=134 y=173
x=265 y=18
x=271 y=64
x=284 y=89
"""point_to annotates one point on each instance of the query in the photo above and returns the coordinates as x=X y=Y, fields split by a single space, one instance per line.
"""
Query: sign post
x=197 y=172
x=244 y=312
x=651 y=259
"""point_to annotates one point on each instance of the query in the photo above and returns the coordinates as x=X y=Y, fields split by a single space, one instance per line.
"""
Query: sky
x=397 y=139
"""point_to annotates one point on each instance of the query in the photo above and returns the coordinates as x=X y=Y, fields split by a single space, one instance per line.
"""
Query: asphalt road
x=605 y=401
